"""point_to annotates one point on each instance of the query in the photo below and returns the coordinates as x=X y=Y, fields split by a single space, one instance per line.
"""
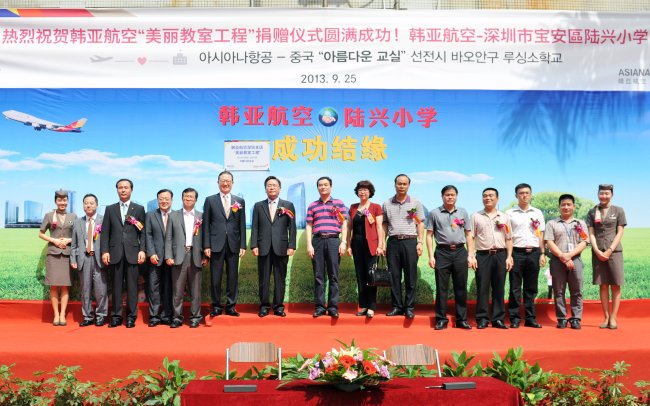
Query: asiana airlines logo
x=634 y=72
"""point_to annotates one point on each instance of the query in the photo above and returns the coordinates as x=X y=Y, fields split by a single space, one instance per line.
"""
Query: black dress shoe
x=463 y=324
x=175 y=324
x=363 y=312
x=115 y=323
x=166 y=322
x=319 y=312
x=232 y=312
x=130 y=323
x=194 y=323
x=561 y=323
x=482 y=324
x=441 y=324
x=499 y=324
x=153 y=322
x=395 y=312
x=333 y=313
x=409 y=314
x=86 y=323
x=532 y=324
x=514 y=324
x=263 y=313
x=280 y=313
x=99 y=322
x=575 y=324
x=215 y=312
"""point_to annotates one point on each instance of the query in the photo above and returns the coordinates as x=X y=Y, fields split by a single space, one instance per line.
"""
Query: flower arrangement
x=135 y=222
x=458 y=222
x=336 y=212
x=413 y=214
x=534 y=223
x=347 y=365
x=235 y=207
x=581 y=232
x=371 y=218
x=97 y=232
x=197 y=225
x=503 y=227
x=281 y=211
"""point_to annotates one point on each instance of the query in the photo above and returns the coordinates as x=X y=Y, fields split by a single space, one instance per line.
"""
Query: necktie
x=272 y=209
x=123 y=210
x=164 y=217
x=89 y=235
x=226 y=205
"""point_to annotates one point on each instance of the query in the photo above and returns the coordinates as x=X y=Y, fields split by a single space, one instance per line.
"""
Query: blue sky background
x=172 y=138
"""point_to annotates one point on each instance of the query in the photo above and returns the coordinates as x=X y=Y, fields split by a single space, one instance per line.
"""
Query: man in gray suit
x=160 y=276
x=224 y=242
x=184 y=253
x=86 y=234
x=273 y=241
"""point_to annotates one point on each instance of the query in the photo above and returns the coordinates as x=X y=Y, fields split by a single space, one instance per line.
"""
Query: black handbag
x=378 y=274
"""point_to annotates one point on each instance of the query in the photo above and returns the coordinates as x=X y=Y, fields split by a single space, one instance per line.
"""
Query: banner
x=555 y=99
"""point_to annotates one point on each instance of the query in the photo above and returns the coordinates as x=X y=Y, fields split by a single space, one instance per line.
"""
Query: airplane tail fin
x=77 y=124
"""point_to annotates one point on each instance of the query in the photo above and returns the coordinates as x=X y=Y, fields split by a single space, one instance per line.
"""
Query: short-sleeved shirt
x=523 y=231
x=449 y=226
x=565 y=234
x=322 y=216
x=606 y=230
x=396 y=215
x=486 y=231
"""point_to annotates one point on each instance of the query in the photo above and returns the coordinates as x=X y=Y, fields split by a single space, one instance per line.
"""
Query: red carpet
x=29 y=340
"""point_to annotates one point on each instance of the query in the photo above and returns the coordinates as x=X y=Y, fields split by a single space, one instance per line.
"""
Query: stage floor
x=29 y=340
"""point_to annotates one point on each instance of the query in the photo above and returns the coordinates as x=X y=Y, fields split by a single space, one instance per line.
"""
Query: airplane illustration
x=38 y=124
x=97 y=58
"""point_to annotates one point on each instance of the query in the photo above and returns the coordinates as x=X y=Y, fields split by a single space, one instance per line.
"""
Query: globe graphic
x=328 y=116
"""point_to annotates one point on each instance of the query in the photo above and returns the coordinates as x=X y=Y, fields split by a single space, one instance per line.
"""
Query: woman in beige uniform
x=57 y=265
x=606 y=223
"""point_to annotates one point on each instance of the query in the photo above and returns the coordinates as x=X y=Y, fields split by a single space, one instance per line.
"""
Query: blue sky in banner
x=556 y=141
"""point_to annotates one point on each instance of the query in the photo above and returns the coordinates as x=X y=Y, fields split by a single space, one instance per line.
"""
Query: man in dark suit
x=86 y=240
x=273 y=241
x=184 y=253
x=224 y=242
x=123 y=249
x=160 y=274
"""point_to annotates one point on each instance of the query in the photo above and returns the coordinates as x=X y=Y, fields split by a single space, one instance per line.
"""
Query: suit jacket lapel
x=182 y=211
x=158 y=216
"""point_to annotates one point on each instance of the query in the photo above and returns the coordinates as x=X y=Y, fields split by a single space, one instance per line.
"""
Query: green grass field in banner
x=22 y=270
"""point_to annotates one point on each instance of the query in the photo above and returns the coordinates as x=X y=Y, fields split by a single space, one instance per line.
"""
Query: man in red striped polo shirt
x=326 y=222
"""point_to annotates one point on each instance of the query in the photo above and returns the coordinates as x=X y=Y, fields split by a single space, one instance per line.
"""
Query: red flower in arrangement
x=371 y=218
x=98 y=230
x=235 y=207
x=347 y=361
x=458 y=222
x=369 y=368
x=331 y=368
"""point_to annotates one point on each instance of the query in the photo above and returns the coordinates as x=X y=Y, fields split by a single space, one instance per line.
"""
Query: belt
x=324 y=235
x=90 y=254
x=491 y=251
x=450 y=247
x=527 y=250
x=404 y=237
x=188 y=248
